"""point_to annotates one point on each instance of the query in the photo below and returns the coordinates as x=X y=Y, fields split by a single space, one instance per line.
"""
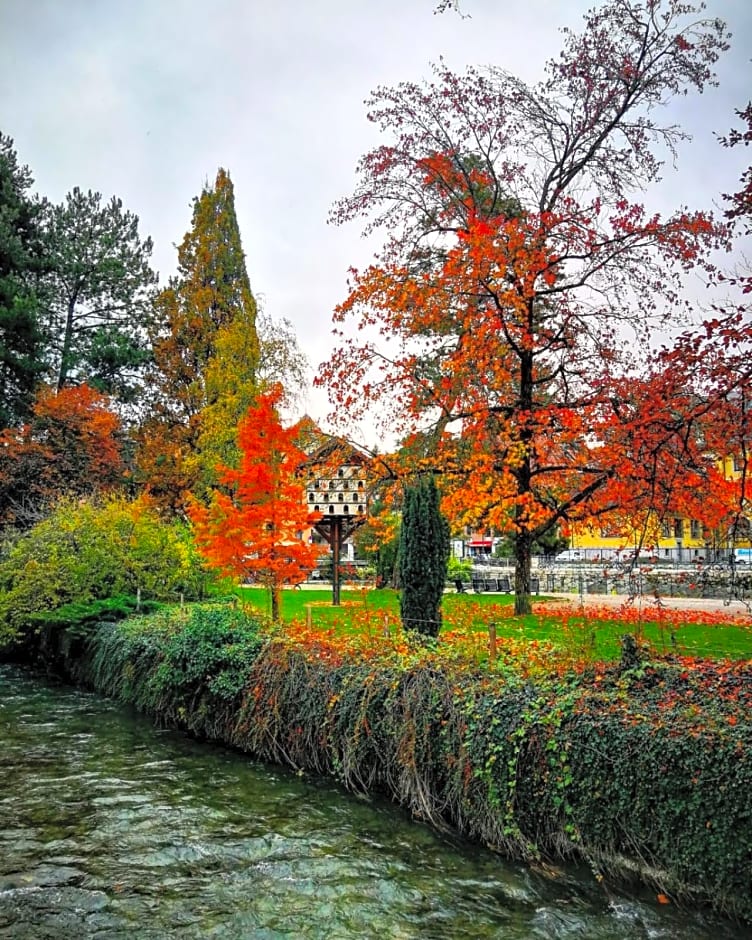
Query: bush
x=87 y=552
x=459 y=569
x=185 y=666
x=59 y=637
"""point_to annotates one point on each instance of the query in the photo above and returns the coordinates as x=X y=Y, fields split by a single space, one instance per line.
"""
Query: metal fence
x=709 y=581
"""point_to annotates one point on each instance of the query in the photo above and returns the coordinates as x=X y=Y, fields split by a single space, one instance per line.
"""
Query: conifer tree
x=423 y=556
x=205 y=354
x=21 y=341
x=253 y=527
x=97 y=294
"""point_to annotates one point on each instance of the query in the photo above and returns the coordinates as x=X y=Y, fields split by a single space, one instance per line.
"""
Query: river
x=111 y=828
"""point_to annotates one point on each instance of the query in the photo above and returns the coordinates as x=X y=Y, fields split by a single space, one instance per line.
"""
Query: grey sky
x=145 y=99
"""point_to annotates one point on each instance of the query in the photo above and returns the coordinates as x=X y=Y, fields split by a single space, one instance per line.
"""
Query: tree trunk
x=275 y=593
x=522 y=555
x=523 y=539
x=65 y=353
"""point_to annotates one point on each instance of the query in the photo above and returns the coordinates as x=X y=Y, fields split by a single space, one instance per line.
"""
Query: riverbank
x=122 y=832
x=642 y=770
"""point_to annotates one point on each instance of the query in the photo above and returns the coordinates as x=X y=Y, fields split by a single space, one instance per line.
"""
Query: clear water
x=110 y=828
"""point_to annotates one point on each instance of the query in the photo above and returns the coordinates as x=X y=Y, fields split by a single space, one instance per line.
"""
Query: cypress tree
x=423 y=556
x=206 y=354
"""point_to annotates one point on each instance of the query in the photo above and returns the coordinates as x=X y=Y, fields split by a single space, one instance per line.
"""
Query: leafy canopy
x=519 y=275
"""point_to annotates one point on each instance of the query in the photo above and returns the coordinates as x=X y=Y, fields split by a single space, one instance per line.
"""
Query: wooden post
x=336 y=546
x=386 y=624
x=308 y=616
x=492 y=644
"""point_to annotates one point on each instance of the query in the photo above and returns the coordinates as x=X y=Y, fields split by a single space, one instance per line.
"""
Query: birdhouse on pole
x=337 y=488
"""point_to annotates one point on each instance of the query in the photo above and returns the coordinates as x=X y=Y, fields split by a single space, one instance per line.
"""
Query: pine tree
x=206 y=354
x=21 y=341
x=97 y=294
x=423 y=556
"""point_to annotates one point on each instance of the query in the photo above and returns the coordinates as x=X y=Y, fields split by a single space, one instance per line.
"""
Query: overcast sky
x=145 y=99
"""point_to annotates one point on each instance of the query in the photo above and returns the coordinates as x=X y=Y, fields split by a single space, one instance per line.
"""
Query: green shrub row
x=642 y=770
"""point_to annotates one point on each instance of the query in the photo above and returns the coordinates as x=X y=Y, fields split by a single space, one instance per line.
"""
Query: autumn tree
x=707 y=373
x=253 y=526
x=21 y=339
x=206 y=353
x=378 y=539
x=518 y=270
x=96 y=294
x=72 y=446
x=739 y=209
x=422 y=558
x=658 y=437
x=690 y=411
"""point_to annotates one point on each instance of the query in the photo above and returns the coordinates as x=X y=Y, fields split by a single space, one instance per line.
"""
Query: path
x=734 y=608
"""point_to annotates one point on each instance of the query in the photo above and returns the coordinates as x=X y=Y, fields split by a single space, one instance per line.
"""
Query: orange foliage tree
x=71 y=447
x=255 y=527
x=519 y=275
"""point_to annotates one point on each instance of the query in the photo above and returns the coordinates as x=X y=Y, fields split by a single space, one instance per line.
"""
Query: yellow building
x=675 y=539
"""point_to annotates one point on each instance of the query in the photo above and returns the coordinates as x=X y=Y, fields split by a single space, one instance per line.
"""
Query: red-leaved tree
x=255 y=527
x=519 y=274
x=71 y=447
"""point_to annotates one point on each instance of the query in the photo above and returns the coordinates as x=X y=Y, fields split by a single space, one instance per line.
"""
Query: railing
x=704 y=581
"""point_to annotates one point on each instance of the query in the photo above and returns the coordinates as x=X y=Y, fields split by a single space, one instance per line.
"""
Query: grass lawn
x=593 y=637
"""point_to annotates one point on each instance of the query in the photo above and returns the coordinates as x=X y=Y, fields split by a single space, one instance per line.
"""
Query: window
x=678 y=528
x=695 y=530
x=665 y=530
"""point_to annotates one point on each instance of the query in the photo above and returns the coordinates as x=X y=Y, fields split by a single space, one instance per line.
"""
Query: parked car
x=742 y=556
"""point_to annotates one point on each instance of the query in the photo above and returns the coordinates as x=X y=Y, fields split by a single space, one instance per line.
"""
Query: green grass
x=592 y=639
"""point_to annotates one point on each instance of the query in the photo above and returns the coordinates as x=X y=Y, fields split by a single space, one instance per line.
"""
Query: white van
x=742 y=556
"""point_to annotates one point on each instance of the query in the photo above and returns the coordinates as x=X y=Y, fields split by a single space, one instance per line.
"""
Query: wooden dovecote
x=337 y=496
x=337 y=482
